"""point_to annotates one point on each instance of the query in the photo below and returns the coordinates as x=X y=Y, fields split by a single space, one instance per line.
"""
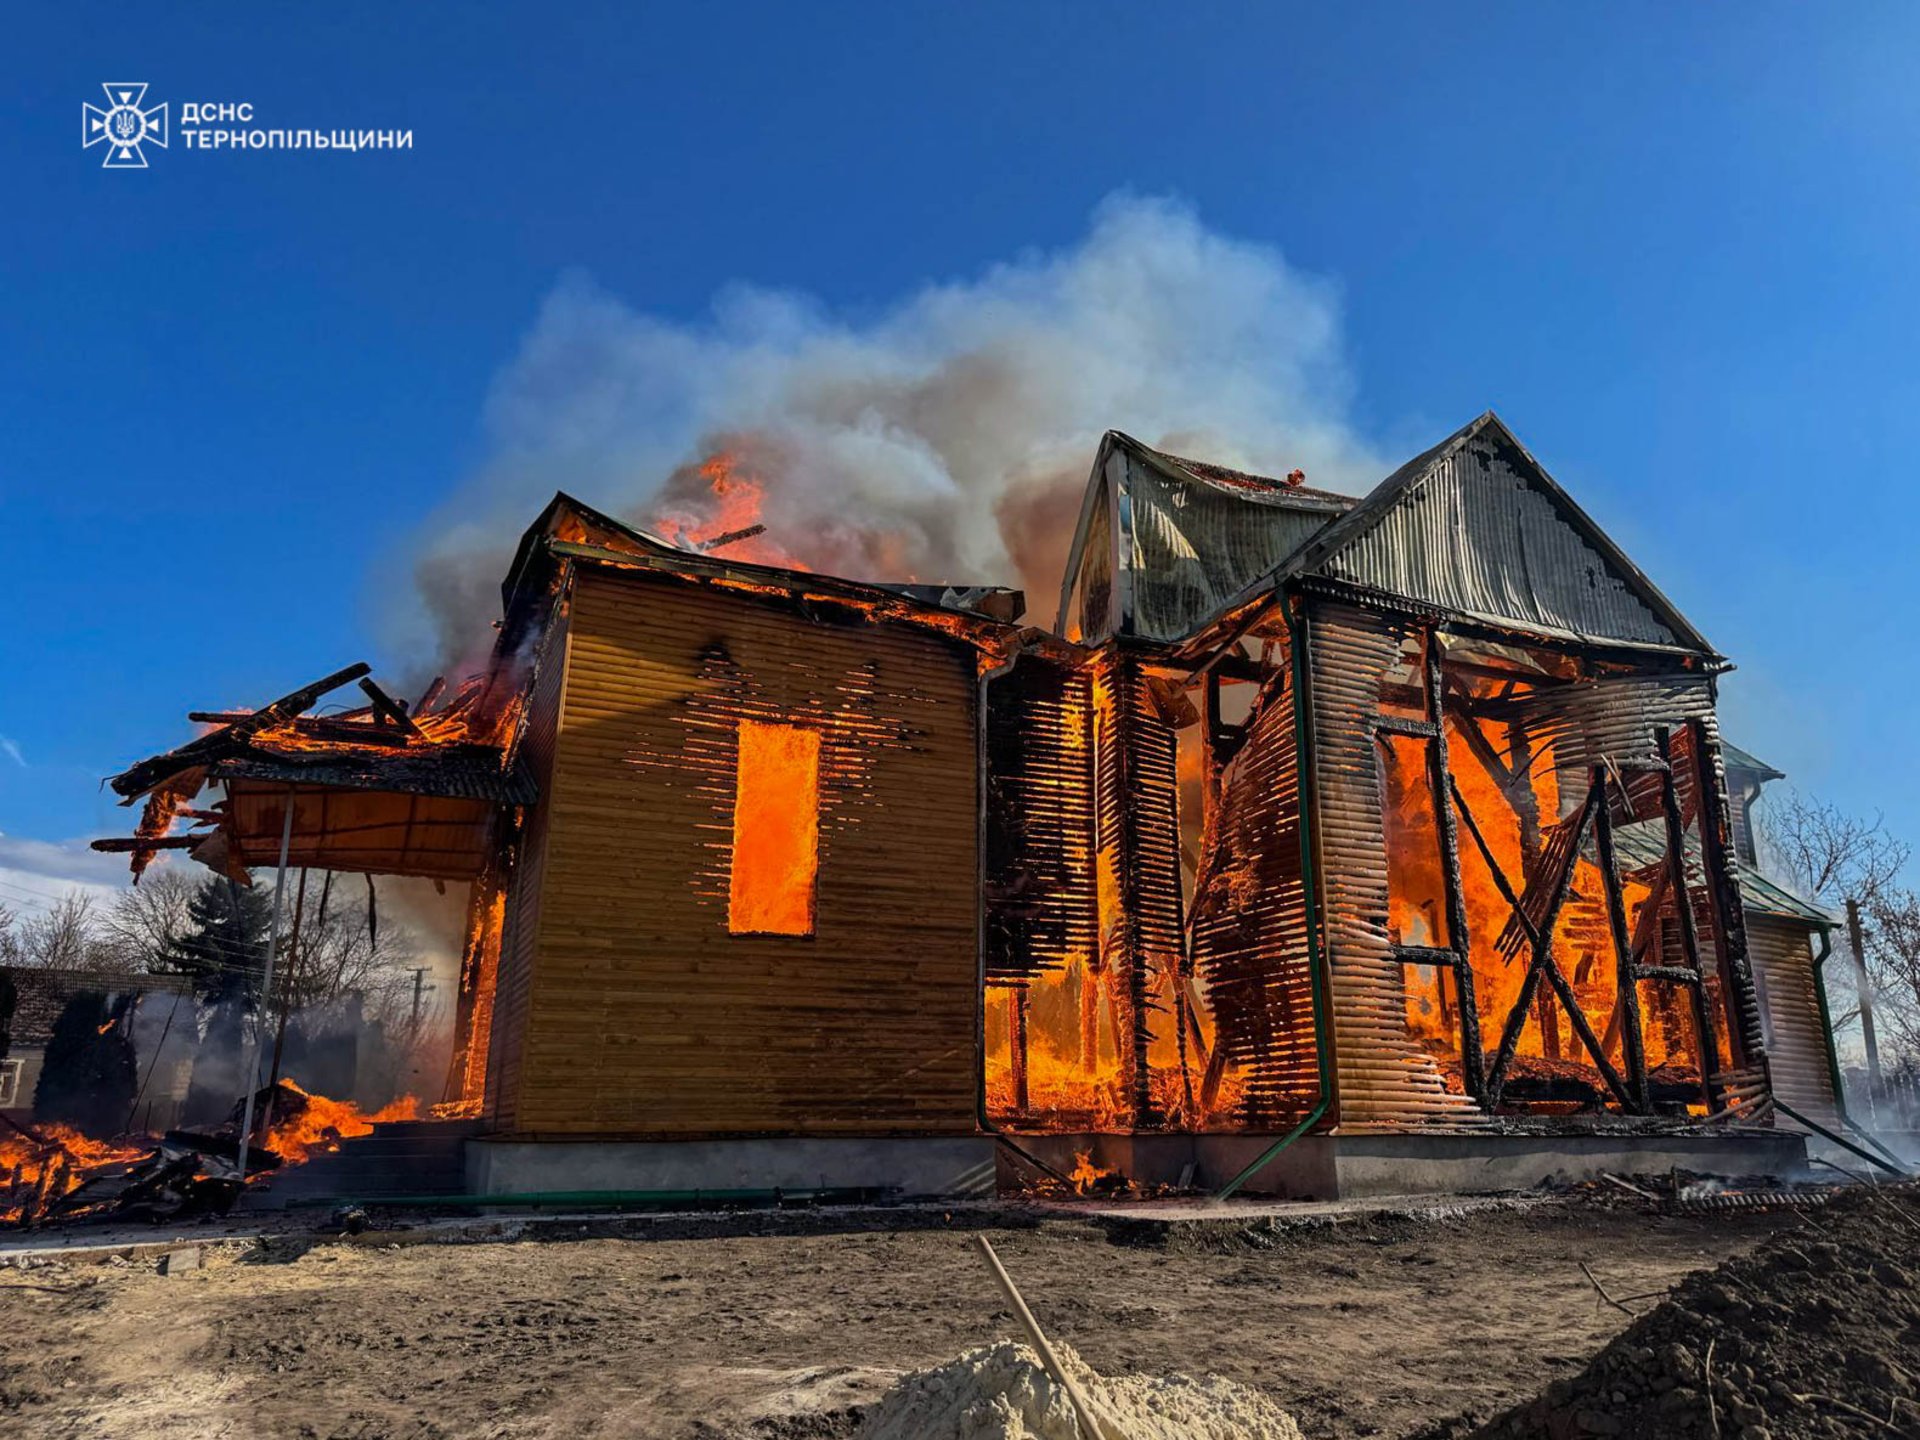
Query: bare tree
x=11 y=952
x=1837 y=859
x=150 y=920
x=341 y=949
x=1893 y=965
x=66 y=936
x=1833 y=857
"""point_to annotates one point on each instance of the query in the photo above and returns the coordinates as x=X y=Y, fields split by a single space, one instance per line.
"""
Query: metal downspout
x=1310 y=891
x=1833 y=1069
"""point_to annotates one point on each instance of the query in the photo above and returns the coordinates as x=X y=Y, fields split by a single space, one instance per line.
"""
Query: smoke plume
x=946 y=438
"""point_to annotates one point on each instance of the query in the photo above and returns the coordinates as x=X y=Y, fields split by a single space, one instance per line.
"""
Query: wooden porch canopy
x=386 y=789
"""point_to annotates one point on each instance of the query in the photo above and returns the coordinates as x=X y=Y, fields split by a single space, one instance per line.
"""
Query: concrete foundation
x=904 y=1168
x=1337 y=1167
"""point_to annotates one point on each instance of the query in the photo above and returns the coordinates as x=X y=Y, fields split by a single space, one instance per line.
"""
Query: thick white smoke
x=947 y=439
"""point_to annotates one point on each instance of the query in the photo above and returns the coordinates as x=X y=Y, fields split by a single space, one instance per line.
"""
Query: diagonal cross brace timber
x=1543 y=966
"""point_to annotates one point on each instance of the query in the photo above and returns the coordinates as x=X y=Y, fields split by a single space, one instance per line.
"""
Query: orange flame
x=776 y=830
x=321 y=1124
x=1085 y=1175
x=739 y=497
x=32 y=1172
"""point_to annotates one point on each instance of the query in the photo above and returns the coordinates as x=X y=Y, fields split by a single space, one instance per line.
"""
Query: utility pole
x=266 y=984
x=419 y=979
x=1856 y=936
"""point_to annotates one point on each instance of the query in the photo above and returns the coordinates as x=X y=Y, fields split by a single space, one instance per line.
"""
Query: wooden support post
x=1723 y=887
x=1626 y=1010
x=1017 y=1040
x=1705 y=1035
x=1472 y=1059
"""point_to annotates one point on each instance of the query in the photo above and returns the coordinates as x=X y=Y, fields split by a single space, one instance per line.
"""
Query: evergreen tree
x=88 y=1076
x=224 y=947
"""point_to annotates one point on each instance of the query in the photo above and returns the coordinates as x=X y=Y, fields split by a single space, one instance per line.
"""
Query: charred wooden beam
x=388 y=708
x=1426 y=955
x=731 y=537
x=1542 y=956
x=1674 y=974
x=1017 y=1048
x=1627 y=1002
x=1705 y=1033
x=128 y=844
x=1440 y=779
x=1723 y=887
x=136 y=780
x=351 y=732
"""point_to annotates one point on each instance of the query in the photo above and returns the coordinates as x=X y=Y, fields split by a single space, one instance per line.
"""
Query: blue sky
x=1673 y=247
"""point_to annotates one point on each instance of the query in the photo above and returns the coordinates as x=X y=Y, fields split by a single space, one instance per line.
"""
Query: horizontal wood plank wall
x=1383 y=1079
x=514 y=983
x=647 y=1016
x=1796 y=1047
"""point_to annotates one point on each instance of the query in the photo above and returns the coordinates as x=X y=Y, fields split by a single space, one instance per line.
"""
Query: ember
x=53 y=1173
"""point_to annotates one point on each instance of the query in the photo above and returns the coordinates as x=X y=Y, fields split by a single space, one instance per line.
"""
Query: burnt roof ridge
x=1314 y=554
x=1188 y=469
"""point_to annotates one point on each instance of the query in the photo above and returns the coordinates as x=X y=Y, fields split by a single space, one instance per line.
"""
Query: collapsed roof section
x=390 y=788
x=386 y=788
x=1164 y=543
x=570 y=531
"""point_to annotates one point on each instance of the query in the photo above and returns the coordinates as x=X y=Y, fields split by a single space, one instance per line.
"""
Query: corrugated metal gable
x=1476 y=527
x=1478 y=536
x=1164 y=543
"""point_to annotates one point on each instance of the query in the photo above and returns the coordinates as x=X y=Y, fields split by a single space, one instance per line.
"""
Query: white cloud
x=35 y=874
x=11 y=749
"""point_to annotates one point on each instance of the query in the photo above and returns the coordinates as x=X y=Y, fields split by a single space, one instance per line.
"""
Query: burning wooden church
x=1320 y=842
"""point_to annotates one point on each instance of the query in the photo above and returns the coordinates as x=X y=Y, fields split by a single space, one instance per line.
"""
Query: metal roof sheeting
x=1734 y=758
x=1193 y=537
x=1475 y=536
x=1195 y=543
x=1477 y=527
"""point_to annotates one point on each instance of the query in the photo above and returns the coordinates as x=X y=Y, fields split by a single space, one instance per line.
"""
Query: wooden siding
x=513 y=984
x=645 y=1016
x=1250 y=937
x=1382 y=1078
x=1796 y=1046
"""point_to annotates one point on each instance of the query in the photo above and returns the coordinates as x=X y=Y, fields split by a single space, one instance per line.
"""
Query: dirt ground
x=1380 y=1327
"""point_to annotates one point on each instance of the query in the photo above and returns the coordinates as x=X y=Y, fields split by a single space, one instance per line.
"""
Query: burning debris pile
x=52 y=1174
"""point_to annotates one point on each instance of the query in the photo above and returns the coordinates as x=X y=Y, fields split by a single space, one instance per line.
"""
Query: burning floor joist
x=1320 y=845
